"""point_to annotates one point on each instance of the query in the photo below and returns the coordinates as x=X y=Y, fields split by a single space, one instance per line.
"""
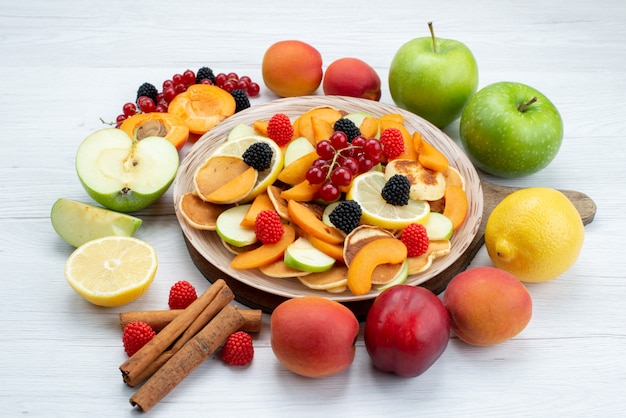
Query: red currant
x=365 y=163
x=129 y=109
x=358 y=141
x=189 y=77
x=160 y=108
x=180 y=88
x=351 y=164
x=168 y=84
x=177 y=79
x=315 y=175
x=232 y=76
x=325 y=149
x=229 y=86
x=242 y=84
x=329 y=192
x=341 y=176
x=146 y=104
x=120 y=118
x=372 y=147
x=220 y=79
x=206 y=81
x=253 y=89
x=339 y=140
x=169 y=94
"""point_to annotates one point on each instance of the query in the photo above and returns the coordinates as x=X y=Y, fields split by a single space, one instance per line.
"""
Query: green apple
x=240 y=130
x=400 y=277
x=509 y=129
x=433 y=78
x=297 y=148
x=439 y=226
x=124 y=174
x=302 y=255
x=228 y=227
x=77 y=222
x=327 y=211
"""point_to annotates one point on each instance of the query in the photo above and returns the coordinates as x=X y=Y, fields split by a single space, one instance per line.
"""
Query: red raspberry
x=182 y=293
x=279 y=129
x=238 y=349
x=393 y=143
x=136 y=335
x=268 y=227
x=415 y=238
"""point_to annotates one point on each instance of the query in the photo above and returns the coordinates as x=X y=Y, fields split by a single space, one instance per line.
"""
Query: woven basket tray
x=213 y=259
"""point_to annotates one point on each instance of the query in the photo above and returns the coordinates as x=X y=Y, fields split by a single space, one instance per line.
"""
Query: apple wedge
x=124 y=174
x=77 y=222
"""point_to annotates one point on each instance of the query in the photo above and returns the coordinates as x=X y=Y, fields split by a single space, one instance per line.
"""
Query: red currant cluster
x=340 y=161
x=151 y=100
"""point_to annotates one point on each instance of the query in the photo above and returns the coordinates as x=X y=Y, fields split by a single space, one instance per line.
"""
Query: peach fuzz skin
x=292 y=68
x=487 y=306
x=351 y=77
x=313 y=336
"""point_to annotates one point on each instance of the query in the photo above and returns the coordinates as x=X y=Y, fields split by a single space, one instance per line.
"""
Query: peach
x=313 y=336
x=487 y=305
x=351 y=77
x=292 y=68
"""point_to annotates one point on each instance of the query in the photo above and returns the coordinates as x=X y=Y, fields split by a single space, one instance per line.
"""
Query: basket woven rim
x=209 y=246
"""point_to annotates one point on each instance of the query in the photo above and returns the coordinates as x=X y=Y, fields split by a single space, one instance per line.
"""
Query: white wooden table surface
x=66 y=64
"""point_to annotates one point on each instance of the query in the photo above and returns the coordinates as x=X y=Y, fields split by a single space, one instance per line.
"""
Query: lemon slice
x=366 y=189
x=266 y=177
x=111 y=271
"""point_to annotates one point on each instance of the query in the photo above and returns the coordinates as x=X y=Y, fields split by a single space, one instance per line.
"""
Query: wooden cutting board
x=492 y=195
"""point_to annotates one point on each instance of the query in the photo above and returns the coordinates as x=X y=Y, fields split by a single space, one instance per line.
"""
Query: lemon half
x=111 y=271
x=366 y=190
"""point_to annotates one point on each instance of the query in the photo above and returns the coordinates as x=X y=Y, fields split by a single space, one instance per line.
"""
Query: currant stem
x=522 y=108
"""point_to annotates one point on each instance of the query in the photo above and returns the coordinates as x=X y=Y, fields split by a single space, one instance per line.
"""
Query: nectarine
x=292 y=68
x=351 y=77
x=313 y=336
x=487 y=305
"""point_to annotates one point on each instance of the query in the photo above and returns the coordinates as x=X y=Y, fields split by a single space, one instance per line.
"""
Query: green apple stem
x=432 y=35
x=522 y=108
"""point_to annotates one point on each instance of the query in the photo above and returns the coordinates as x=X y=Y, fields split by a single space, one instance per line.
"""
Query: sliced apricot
x=395 y=117
x=202 y=106
x=261 y=126
x=322 y=129
x=380 y=251
x=305 y=124
x=199 y=213
x=369 y=127
x=224 y=179
x=333 y=250
x=428 y=155
x=260 y=203
x=301 y=192
x=166 y=125
x=266 y=253
x=312 y=225
x=456 y=205
x=295 y=172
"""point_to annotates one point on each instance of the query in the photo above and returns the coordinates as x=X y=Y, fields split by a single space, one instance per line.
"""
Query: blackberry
x=396 y=190
x=205 y=72
x=259 y=156
x=348 y=127
x=148 y=90
x=241 y=99
x=346 y=216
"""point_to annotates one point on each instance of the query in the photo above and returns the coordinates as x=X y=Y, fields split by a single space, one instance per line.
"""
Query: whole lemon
x=535 y=234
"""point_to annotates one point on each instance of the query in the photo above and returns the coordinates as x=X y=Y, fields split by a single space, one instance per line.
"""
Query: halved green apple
x=241 y=130
x=399 y=278
x=78 y=222
x=124 y=174
x=438 y=226
x=297 y=148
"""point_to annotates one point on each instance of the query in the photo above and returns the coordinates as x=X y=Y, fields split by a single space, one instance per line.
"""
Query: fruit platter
x=214 y=259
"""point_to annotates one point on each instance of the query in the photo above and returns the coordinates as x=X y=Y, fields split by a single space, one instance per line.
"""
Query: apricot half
x=166 y=125
x=202 y=106
x=224 y=179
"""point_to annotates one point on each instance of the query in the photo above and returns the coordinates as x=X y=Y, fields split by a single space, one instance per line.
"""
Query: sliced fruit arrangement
x=357 y=202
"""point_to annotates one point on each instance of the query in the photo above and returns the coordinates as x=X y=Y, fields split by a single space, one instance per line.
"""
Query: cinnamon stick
x=188 y=358
x=223 y=298
x=134 y=366
x=158 y=319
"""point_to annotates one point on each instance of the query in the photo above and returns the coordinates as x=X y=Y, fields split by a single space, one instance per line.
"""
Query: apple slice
x=123 y=174
x=241 y=130
x=439 y=227
x=77 y=222
x=228 y=227
x=297 y=148
x=302 y=255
